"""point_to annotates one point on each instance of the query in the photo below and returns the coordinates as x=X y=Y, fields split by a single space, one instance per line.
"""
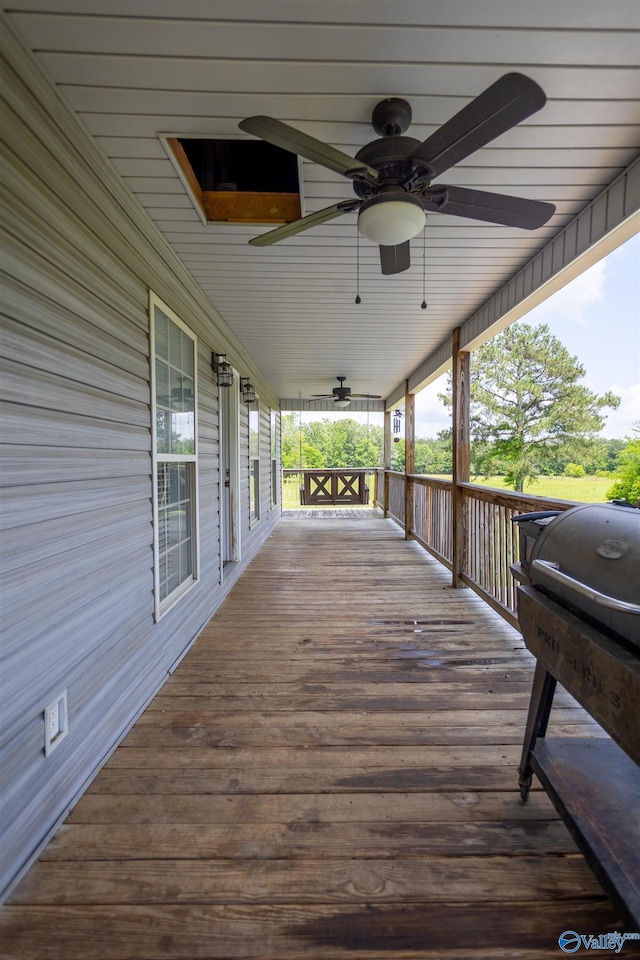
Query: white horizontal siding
x=79 y=257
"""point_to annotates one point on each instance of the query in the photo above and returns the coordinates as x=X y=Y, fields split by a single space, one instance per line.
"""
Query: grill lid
x=588 y=559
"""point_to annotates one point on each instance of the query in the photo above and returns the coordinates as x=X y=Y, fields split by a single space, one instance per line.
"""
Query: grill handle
x=551 y=570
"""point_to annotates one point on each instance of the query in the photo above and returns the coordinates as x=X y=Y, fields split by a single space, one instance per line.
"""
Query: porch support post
x=461 y=454
x=386 y=458
x=409 y=458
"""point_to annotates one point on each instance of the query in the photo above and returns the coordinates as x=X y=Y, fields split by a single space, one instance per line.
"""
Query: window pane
x=175 y=345
x=175 y=552
x=254 y=432
x=162 y=384
x=161 y=334
x=254 y=489
x=175 y=388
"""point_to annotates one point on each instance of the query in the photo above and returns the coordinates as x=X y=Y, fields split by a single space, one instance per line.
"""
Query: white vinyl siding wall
x=79 y=257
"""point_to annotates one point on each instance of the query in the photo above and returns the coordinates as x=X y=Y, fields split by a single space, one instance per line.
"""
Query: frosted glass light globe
x=391 y=222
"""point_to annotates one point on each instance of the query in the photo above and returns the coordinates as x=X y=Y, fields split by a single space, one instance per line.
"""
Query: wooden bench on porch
x=334 y=486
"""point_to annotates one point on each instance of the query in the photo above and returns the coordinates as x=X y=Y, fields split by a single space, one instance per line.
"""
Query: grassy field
x=581 y=489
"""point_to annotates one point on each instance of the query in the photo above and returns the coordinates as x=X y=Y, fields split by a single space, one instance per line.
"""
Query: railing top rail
x=330 y=469
x=521 y=501
x=423 y=479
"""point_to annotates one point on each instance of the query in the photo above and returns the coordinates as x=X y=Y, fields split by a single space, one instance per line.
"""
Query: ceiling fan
x=342 y=395
x=392 y=176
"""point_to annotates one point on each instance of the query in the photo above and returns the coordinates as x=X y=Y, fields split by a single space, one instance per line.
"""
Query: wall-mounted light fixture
x=247 y=390
x=222 y=368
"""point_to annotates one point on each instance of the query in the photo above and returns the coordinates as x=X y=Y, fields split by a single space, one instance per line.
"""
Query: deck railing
x=490 y=538
x=396 y=496
x=432 y=516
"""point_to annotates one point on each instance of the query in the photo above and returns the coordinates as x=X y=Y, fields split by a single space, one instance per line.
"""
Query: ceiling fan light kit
x=389 y=219
x=392 y=176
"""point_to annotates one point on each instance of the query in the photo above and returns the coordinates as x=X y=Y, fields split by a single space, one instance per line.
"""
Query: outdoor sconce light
x=222 y=368
x=247 y=390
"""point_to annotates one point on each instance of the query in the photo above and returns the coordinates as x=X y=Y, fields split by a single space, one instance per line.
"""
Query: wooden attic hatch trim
x=236 y=206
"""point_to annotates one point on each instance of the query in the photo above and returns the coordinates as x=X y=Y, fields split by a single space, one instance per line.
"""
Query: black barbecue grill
x=579 y=612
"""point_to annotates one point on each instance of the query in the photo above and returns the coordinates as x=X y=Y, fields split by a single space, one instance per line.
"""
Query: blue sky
x=597 y=318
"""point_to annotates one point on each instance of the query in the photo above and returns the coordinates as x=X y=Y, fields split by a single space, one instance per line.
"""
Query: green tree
x=526 y=401
x=290 y=441
x=312 y=458
x=627 y=486
x=324 y=443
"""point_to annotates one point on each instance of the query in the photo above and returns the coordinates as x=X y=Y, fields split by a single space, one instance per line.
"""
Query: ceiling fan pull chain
x=423 y=305
x=358 y=300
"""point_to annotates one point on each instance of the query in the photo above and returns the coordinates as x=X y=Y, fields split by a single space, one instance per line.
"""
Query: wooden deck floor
x=330 y=773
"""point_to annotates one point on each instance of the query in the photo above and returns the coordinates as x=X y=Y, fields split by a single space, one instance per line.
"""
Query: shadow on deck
x=330 y=773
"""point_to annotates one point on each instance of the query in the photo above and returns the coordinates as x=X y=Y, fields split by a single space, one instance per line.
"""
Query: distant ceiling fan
x=342 y=395
x=392 y=176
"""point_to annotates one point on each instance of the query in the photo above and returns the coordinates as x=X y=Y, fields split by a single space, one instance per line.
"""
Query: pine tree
x=526 y=400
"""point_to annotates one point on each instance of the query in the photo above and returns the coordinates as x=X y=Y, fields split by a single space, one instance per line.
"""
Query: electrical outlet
x=56 y=722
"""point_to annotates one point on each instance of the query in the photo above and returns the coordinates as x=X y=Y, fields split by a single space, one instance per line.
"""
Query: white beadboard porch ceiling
x=134 y=69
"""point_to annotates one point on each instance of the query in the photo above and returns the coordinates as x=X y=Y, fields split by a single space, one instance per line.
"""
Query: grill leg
x=544 y=687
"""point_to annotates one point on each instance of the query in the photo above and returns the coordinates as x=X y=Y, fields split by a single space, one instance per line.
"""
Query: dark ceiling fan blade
x=366 y=396
x=282 y=135
x=297 y=226
x=504 y=104
x=491 y=207
x=395 y=259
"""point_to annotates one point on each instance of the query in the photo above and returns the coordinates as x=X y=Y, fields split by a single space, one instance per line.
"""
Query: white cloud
x=431 y=414
x=620 y=422
x=571 y=302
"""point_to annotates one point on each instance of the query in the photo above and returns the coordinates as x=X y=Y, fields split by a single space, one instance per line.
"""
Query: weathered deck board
x=158 y=841
x=330 y=773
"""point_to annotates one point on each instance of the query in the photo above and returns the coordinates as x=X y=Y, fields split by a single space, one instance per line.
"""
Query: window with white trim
x=174 y=418
x=254 y=461
x=275 y=478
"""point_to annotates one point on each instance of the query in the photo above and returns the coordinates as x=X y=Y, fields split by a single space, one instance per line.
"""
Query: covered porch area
x=330 y=772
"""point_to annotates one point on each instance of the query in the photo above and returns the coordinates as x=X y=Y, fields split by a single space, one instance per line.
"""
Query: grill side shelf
x=594 y=782
x=595 y=788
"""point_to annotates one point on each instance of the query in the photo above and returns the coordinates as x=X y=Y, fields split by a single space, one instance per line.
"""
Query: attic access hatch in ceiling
x=238 y=181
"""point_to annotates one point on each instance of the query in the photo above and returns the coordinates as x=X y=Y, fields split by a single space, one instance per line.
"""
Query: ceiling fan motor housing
x=341 y=392
x=389 y=156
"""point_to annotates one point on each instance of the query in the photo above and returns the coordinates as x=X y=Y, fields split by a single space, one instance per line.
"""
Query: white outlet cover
x=56 y=722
